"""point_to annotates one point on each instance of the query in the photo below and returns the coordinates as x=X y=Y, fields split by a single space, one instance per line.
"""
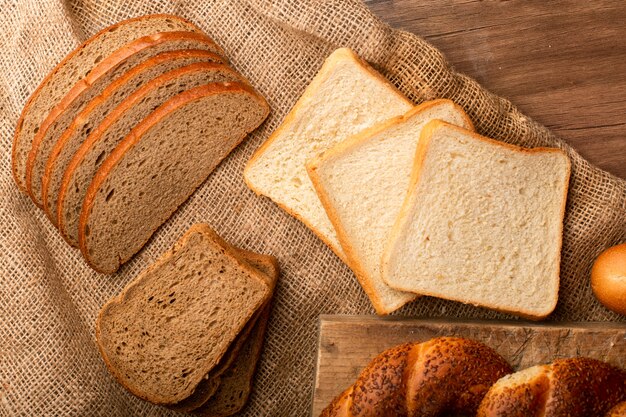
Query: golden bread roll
x=608 y=278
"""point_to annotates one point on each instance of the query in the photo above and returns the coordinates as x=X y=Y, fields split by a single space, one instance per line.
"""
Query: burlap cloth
x=49 y=298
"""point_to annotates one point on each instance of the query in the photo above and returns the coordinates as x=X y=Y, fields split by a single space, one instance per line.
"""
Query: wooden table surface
x=563 y=63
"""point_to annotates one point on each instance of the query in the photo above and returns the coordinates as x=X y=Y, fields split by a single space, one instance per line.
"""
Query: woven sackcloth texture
x=49 y=297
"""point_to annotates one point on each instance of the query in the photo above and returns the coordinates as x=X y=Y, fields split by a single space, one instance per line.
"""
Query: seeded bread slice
x=86 y=89
x=482 y=223
x=114 y=128
x=362 y=183
x=98 y=108
x=74 y=67
x=173 y=324
x=159 y=165
x=251 y=337
x=345 y=97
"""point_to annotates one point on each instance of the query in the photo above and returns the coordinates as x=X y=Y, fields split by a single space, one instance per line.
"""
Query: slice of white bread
x=93 y=84
x=94 y=150
x=237 y=366
x=100 y=107
x=362 y=183
x=482 y=223
x=159 y=164
x=73 y=68
x=173 y=324
x=345 y=97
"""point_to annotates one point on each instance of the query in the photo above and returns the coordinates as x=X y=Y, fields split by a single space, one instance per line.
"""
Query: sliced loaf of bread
x=94 y=150
x=362 y=183
x=159 y=165
x=482 y=223
x=72 y=69
x=100 y=107
x=345 y=97
x=174 y=323
x=93 y=84
x=251 y=337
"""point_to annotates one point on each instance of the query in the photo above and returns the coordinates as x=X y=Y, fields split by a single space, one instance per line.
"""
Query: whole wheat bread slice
x=89 y=87
x=236 y=382
x=482 y=223
x=251 y=337
x=73 y=68
x=362 y=183
x=159 y=165
x=173 y=323
x=209 y=385
x=113 y=129
x=100 y=107
x=345 y=97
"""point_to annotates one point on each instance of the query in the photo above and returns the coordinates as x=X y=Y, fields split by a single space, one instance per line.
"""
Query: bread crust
x=135 y=136
x=120 y=298
x=337 y=56
x=352 y=260
x=618 y=411
x=35 y=93
x=421 y=151
x=110 y=119
x=100 y=70
x=97 y=101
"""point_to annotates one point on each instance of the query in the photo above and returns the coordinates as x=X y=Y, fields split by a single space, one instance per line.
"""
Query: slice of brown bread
x=113 y=129
x=211 y=382
x=74 y=67
x=159 y=165
x=236 y=382
x=174 y=323
x=98 y=108
x=93 y=84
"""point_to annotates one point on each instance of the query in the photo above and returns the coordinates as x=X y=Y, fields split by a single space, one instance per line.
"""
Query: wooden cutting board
x=347 y=344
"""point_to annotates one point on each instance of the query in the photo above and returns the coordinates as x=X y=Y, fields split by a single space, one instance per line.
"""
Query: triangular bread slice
x=72 y=69
x=93 y=84
x=116 y=126
x=482 y=223
x=362 y=183
x=173 y=324
x=237 y=364
x=98 y=108
x=159 y=164
x=345 y=97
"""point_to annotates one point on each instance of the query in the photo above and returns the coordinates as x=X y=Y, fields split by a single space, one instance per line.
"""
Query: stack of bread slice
x=412 y=199
x=131 y=122
x=188 y=331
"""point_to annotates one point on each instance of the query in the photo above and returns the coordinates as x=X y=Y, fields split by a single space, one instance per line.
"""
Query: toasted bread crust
x=97 y=101
x=108 y=64
x=135 y=136
x=51 y=74
x=322 y=75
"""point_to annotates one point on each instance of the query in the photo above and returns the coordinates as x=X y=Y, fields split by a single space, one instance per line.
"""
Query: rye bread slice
x=74 y=67
x=207 y=388
x=98 y=108
x=113 y=129
x=159 y=165
x=236 y=382
x=93 y=84
x=174 y=323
